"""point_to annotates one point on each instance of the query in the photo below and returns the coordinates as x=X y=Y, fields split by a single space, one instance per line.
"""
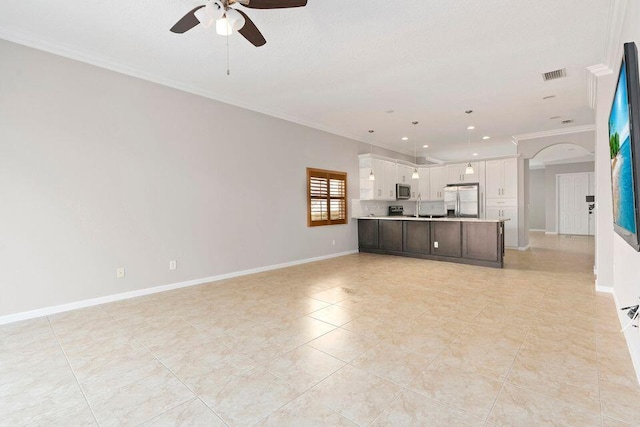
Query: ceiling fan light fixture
x=372 y=177
x=236 y=19
x=415 y=174
x=231 y=21
x=469 y=169
x=211 y=12
x=223 y=26
x=205 y=19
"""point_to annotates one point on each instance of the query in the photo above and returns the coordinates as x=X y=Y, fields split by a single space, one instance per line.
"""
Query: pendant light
x=415 y=174
x=372 y=177
x=469 y=168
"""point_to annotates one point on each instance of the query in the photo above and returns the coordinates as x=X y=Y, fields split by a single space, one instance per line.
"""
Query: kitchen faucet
x=418 y=200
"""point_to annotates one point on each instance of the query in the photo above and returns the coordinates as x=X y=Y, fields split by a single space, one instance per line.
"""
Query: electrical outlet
x=120 y=273
x=173 y=264
x=435 y=245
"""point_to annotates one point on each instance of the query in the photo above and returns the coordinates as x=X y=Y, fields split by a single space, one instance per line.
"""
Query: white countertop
x=413 y=218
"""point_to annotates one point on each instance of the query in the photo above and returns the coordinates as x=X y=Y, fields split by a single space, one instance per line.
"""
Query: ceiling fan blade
x=187 y=22
x=273 y=4
x=250 y=32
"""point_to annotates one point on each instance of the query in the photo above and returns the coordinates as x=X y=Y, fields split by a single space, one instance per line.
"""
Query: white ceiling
x=340 y=65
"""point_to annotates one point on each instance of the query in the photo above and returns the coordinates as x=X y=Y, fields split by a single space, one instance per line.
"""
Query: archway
x=566 y=166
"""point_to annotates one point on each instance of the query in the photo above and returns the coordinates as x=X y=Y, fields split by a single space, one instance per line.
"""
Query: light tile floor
x=357 y=340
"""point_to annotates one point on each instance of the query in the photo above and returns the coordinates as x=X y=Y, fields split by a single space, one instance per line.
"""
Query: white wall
x=551 y=171
x=617 y=261
x=100 y=170
x=536 y=199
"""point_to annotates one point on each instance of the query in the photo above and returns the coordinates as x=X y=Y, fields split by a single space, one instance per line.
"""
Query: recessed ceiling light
x=548 y=97
x=554 y=117
x=474 y=154
x=486 y=137
x=404 y=138
x=425 y=146
x=471 y=128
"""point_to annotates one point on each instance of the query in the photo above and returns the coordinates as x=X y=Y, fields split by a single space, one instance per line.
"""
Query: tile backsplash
x=360 y=208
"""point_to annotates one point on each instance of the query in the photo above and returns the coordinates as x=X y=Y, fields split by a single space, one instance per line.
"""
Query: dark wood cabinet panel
x=447 y=236
x=368 y=233
x=416 y=237
x=473 y=242
x=390 y=235
x=481 y=241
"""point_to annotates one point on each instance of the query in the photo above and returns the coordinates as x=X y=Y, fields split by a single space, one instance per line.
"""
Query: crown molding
x=613 y=50
x=555 y=132
x=434 y=160
x=111 y=64
x=593 y=72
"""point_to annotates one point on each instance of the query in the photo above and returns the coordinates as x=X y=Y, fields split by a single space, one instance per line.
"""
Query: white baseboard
x=46 y=311
x=524 y=248
x=550 y=232
x=537 y=229
x=604 y=289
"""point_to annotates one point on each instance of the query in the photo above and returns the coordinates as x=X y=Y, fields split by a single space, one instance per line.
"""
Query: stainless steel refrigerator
x=462 y=201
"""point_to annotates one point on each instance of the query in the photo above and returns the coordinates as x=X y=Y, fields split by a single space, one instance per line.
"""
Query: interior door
x=573 y=210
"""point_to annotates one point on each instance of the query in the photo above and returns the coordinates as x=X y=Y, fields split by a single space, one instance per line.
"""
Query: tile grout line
x=598 y=370
x=406 y=388
x=306 y=391
x=196 y=396
x=73 y=372
x=506 y=377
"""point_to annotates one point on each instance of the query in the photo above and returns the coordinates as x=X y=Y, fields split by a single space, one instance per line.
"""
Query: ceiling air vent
x=555 y=74
x=566 y=122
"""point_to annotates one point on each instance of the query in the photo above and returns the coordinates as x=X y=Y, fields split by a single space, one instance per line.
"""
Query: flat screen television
x=624 y=147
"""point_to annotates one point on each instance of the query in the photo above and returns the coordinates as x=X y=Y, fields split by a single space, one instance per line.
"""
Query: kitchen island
x=462 y=240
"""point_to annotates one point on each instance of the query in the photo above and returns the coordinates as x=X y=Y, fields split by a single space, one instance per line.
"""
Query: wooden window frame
x=328 y=174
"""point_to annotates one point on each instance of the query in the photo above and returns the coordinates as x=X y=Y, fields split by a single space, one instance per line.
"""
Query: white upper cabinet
x=404 y=174
x=502 y=179
x=390 y=180
x=456 y=174
x=437 y=182
x=423 y=185
x=510 y=179
x=371 y=190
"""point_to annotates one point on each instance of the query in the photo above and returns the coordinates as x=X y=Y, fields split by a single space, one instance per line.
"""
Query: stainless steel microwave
x=403 y=192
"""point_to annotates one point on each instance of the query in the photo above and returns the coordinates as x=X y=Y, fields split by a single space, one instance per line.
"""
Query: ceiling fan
x=228 y=19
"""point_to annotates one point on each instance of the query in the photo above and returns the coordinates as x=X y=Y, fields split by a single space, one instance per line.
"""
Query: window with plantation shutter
x=327 y=197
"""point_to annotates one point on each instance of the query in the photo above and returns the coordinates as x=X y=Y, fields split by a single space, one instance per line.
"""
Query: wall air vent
x=566 y=122
x=555 y=74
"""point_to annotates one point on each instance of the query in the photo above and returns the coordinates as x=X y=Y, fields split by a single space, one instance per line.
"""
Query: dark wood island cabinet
x=466 y=241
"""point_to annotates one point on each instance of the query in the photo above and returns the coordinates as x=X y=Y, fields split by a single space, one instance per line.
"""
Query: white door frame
x=558 y=195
